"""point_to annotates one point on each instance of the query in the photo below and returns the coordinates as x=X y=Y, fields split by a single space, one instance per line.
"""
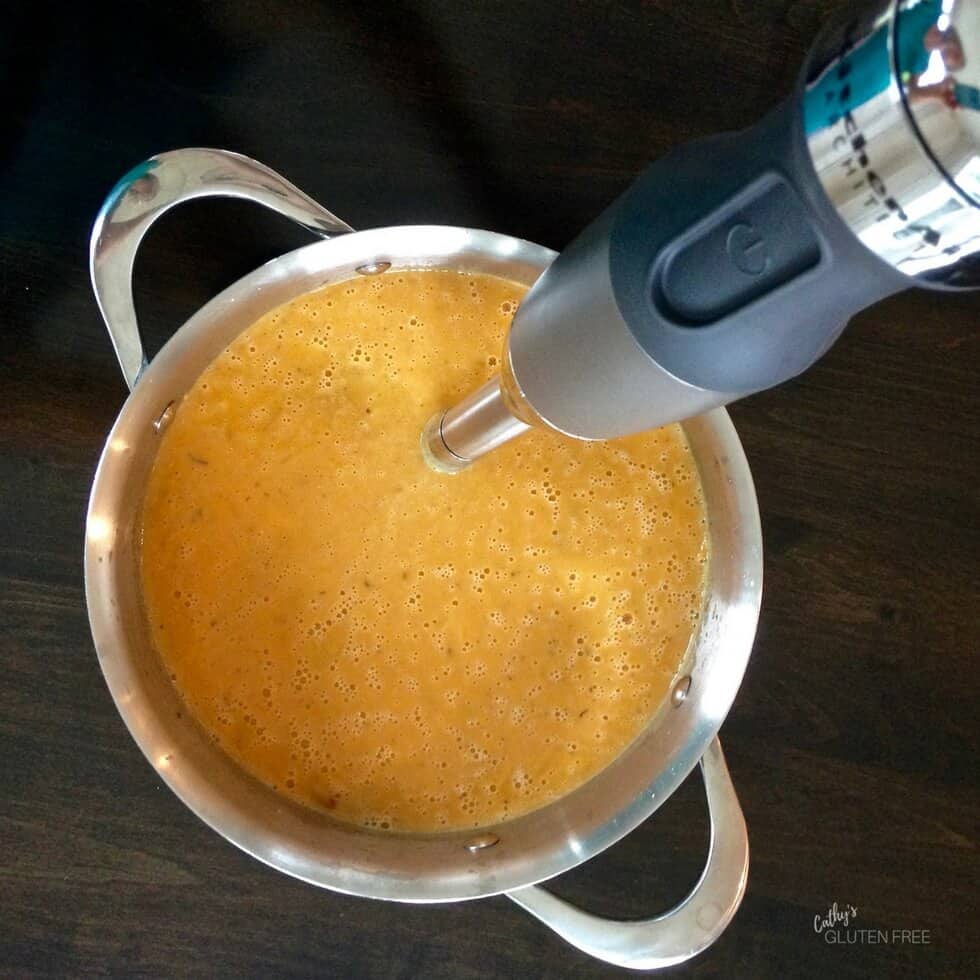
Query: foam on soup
x=405 y=649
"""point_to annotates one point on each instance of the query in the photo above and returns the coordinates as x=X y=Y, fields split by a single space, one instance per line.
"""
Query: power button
x=748 y=249
x=750 y=246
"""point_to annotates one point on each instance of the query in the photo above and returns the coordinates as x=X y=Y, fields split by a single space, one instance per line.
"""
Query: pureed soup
x=405 y=649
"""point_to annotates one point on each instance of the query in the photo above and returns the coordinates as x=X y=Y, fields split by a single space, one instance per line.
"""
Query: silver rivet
x=479 y=843
x=164 y=418
x=679 y=694
x=144 y=188
x=373 y=268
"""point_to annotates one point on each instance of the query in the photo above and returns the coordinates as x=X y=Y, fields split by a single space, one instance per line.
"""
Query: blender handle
x=155 y=186
x=685 y=930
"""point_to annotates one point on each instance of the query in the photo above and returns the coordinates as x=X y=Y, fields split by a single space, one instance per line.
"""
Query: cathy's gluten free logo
x=837 y=927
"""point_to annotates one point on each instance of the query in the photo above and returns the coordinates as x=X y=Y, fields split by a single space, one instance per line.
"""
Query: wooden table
x=853 y=742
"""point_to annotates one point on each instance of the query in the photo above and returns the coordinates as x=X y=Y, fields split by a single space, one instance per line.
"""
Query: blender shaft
x=470 y=429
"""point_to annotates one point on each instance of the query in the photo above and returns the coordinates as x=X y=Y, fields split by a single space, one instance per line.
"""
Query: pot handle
x=685 y=930
x=154 y=187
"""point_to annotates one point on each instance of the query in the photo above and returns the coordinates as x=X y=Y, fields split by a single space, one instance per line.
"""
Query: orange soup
x=405 y=649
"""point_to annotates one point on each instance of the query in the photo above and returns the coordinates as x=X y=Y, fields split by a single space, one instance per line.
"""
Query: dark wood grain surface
x=853 y=741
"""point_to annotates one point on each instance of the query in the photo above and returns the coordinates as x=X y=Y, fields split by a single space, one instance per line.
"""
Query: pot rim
x=475 y=874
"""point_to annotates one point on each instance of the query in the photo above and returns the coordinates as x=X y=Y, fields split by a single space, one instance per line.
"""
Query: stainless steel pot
x=515 y=856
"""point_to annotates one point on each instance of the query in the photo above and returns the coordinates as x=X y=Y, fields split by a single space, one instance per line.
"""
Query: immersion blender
x=732 y=264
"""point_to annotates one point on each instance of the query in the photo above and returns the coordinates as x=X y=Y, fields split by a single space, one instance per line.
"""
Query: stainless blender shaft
x=477 y=425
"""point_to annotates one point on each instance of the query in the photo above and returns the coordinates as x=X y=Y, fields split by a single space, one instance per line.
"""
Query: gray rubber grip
x=729 y=265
